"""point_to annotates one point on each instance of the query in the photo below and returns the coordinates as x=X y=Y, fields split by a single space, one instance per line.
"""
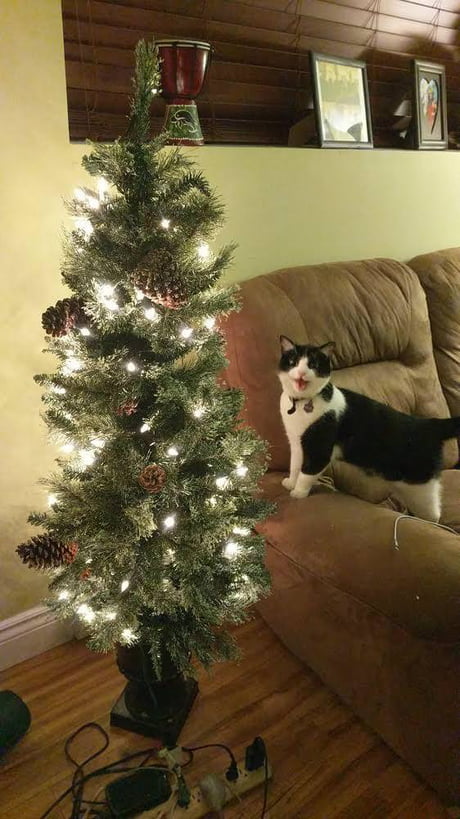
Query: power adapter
x=144 y=789
x=255 y=755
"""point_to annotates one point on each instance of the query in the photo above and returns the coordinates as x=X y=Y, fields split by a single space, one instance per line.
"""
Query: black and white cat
x=324 y=423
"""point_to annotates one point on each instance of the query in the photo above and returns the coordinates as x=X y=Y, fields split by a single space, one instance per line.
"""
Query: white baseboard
x=30 y=633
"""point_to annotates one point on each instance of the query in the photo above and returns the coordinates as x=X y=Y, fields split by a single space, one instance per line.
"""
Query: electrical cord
x=232 y=772
x=80 y=779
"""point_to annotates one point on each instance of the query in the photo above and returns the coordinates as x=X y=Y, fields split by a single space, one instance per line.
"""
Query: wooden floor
x=326 y=764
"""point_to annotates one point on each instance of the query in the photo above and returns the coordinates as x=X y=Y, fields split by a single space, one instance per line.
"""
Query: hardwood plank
x=327 y=764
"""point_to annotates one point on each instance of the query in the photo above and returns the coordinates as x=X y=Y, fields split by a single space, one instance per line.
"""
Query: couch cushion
x=439 y=274
x=376 y=313
x=349 y=544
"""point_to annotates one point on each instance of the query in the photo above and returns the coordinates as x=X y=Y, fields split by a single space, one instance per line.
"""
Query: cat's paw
x=288 y=483
x=300 y=493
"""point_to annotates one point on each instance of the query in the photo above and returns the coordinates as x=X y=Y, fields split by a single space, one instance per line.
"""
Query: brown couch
x=379 y=624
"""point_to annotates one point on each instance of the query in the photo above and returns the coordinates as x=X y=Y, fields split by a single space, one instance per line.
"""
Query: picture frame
x=341 y=101
x=430 y=120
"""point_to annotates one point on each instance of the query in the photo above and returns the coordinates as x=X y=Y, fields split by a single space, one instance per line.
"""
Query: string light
x=223 y=482
x=212 y=500
x=232 y=549
x=165 y=223
x=241 y=530
x=85 y=331
x=87 y=457
x=209 y=322
x=145 y=428
x=241 y=470
x=124 y=585
x=199 y=411
x=186 y=332
x=79 y=194
x=131 y=367
x=169 y=522
x=151 y=314
x=99 y=443
x=68 y=447
x=109 y=615
x=105 y=293
x=172 y=452
x=63 y=595
x=93 y=203
x=128 y=635
x=86 y=612
x=138 y=294
x=52 y=499
x=84 y=225
x=203 y=250
x=72 y=365
x=58 y=390
x=102 y=187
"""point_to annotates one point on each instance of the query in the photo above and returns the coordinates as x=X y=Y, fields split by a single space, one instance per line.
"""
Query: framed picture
x=341 y=102
x=430 y=119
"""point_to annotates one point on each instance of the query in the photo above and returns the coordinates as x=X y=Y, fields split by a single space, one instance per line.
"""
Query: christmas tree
x=149 y=534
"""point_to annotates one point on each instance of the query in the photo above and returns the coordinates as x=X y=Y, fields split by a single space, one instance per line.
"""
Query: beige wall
x=284 y=207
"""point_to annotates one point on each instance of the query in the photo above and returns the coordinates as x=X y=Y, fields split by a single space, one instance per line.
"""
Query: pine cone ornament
x=45 y=552
x=64 y=316
x=152 y=478
x=167 y=290
x=129 y=408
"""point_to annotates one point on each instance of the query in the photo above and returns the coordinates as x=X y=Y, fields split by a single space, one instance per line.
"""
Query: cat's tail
x=450 y=427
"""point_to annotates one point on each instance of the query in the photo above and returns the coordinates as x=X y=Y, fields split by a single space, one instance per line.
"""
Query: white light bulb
x=127 y=634
x=87 y=457
x=58 y=390
x=68 y=447
x=145 y=428
x=241 y=530
x=203 y=250
x=138 y=294
x=169 y=522
x=124 y=585
x=165 y=223
x=131 y=367
x=213 y=500
x=112 y=305
x=186 y=332
x=209 y=322
x=172 y=452
x=241 y=470
x=85 y=331
x=151 y=314
x=72 y=365
x=84 y=225
x=102 y=187
x=79 y=194
x=93 y=203
x=86 y=612
x=63 y=595
x=99 y=443
x=109 y=615
x=199 y=411
x=106 y=290
x=231 y=549
x=52 y=499
x=89 y=560
x=222 y=482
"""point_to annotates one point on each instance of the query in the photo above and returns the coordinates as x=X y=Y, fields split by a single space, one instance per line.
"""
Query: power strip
x=199 y=807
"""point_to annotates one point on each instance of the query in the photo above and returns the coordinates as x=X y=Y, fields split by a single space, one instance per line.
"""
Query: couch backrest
x=376 y=313
x=439 y=274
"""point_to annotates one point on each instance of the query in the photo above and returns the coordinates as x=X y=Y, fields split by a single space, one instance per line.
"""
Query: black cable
x=79 y=779
x=264 y=806
x=211 y=745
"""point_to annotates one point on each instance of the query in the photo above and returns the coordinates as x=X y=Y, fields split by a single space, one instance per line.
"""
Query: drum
x=183 y=67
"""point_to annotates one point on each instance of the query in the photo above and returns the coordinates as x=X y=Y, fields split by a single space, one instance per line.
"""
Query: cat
x=325 y=423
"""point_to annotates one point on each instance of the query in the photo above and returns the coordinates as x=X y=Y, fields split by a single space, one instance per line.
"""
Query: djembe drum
x=183 y=66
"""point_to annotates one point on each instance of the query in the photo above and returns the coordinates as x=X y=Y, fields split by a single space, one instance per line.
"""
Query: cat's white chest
x=295 y=423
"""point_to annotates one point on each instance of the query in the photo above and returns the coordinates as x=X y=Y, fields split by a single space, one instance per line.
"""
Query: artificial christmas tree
x=157 y=478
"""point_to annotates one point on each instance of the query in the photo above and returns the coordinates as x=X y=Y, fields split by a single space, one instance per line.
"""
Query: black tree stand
x=148 y=705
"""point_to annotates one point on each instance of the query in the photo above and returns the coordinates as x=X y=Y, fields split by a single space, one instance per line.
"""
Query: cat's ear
x=286 y=344
x=327 y=348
